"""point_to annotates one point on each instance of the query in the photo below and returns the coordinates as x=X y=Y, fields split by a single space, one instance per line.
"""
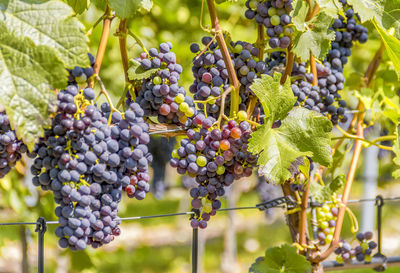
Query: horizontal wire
x=397 y=198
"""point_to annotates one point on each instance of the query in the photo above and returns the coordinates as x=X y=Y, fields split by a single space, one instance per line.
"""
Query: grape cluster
x=248 y=68
x=362 y=252
x=160 y=95
x=86 y=159
x=215 y=157
x=11 y=148
x=129 y=139
x=347 y=31
x=211 y=76
x=274 y=15
x=326 y=219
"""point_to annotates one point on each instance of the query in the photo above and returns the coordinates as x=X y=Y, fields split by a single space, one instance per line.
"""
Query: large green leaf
x=392 y=47
x=314 y=36
x=128 y=8
x=27 y=74
x=283 y=259
x=277 y=100
x=79 y=6
x=302 y=133
x=48 y=23
x=367 y=9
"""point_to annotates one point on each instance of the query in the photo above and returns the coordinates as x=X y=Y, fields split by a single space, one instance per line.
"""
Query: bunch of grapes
x=274 y=15
x=11 y=148
x=215 y=157
x=160 y=95
x=276 y=61
x=86 y=159
x=129 y=139
x=248 y=68
x=362 y=252
x=326 y=219
x=211 y=76
x=347 y=30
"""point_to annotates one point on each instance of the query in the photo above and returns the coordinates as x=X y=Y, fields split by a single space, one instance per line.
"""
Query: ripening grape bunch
x=215 y=157
x=11 y=148
x=326 y=222
x=274 y=16
x=80 y=75
x=211 y=77
x=362 y=252
x=87 y=158
x=160 y=95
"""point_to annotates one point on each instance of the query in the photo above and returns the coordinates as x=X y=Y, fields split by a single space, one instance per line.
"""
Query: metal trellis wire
x=378 y=262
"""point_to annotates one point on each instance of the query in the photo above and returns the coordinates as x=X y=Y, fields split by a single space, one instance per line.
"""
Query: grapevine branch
x=260 y=41
x=303 y=214
x=227 y=57
x=103 y=43
x=122 y=31
x=289 y=63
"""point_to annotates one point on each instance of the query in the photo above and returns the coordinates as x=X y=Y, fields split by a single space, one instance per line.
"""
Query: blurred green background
x=231 y=242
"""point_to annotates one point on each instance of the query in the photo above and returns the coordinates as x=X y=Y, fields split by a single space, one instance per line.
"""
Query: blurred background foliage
x=164 y=244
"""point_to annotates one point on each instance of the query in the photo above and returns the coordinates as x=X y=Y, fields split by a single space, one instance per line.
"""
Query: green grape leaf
x=100 y=4
x=128 y=8
x=316 y=39
x=137 y=73
x=330 y=7
x=392 y=47
x=277 y=100
x=79 y=6
x=48 y=23
x=367 y=9
x=302 y=133
x=27 y=74
x=322 y=194
x=396 y=150
x=281 y=259
x=299 y=14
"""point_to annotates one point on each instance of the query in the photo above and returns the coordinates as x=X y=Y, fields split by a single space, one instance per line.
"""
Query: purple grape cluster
x=248 y=68
x=274 y=15
x=11 y=148
x=160 y=95
x=362 y=252
x=81 y=75
x=215 y=157
x=211 y=76
x=87 y=158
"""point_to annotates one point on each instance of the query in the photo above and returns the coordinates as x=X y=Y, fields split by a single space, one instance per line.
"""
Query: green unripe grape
x=184 y=107
x=237 y=49
x=201 y=161
x=242 y=115
x=275 y=20
x=220 y=170
x=326 y=208
x=272 y=12
x=364 y=245
x=211 y=102
x=329 y=238
x=189 y=113
x=244 y=70
x=253 y=4
x=81 y=79
x=324 y=225
x=329 y=215
x=339 y=259
x=174 y=154
x=157 y=80
x=180 y=98
x=368 y=258
x=321 y=214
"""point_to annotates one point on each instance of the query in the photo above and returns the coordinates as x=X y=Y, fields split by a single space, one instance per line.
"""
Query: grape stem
x=222 y=108
x=122 y=30
x=260 y=41
x=373 y=142
x=224 y=94
x=227 y=58
x=103 y=43
x=138 y=41
x=289 y=63
x=104 y=92
x=313 y=66
x=207 y=46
